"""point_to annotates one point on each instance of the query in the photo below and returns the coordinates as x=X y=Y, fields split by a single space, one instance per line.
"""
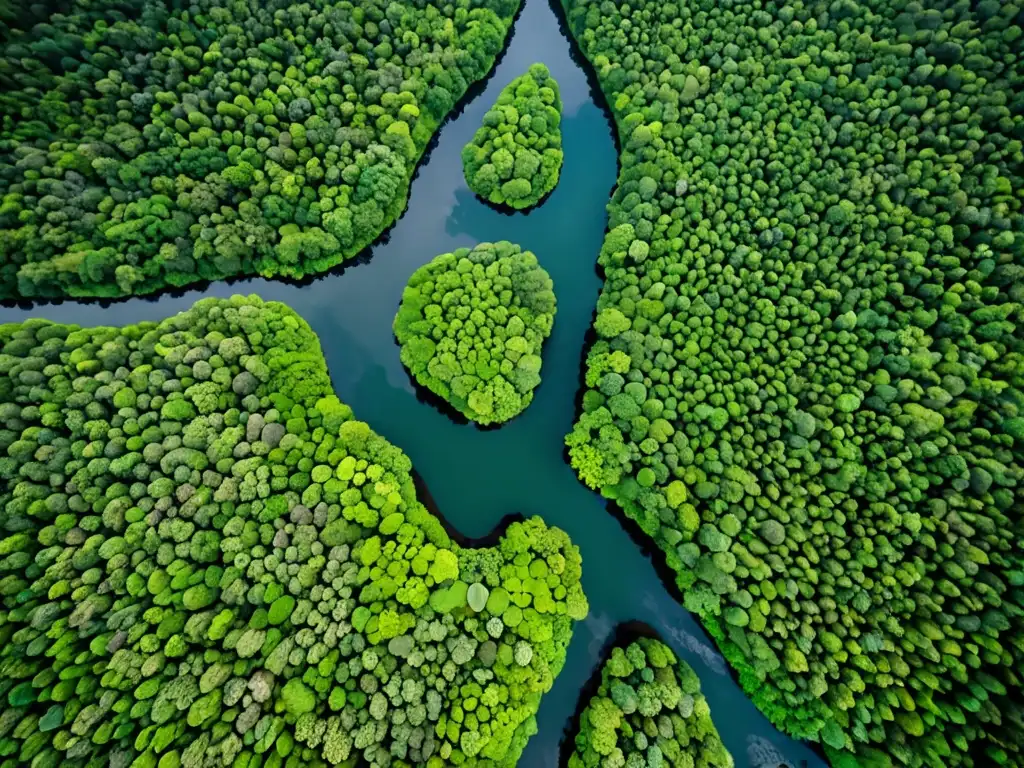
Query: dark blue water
x=477 y=477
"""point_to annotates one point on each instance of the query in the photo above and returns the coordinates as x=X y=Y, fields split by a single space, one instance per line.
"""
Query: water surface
x=478 y=477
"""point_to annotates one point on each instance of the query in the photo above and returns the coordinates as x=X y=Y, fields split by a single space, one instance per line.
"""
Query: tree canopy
x=516 y=155
x=471 y=325
x=145 y=145
x=647 y=712
x=806 y=378
x=206 y=560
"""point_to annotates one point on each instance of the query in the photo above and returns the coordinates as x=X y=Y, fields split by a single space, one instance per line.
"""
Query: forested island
x=472 y=324
x=515 y=158
x=802 y=385
x=647 y=711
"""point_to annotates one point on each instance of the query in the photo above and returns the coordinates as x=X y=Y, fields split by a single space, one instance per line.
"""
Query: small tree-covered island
x=647 y=711
x=806 y=378
x=472 y=324
x=803 y=383
x=515 y=157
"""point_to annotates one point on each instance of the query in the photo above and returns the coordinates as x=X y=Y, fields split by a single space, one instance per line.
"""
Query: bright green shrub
x=212 y=617
x=472 y=324
x=516 y=155
x=815 y=270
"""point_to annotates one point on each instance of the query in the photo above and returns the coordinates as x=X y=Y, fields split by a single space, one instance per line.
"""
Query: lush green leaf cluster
x=516 y=155
x=146 y=144
x=472 y=324
x=648 y=713
x=205 y=560
x=807 y=379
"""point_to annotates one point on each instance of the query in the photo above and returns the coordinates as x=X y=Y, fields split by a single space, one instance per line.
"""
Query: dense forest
x=207 y=558
x=515 y=157
x=806 y=383
x=145 y=144
x=472 y=324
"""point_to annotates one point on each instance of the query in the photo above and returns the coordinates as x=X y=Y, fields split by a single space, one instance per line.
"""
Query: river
x=476 y=476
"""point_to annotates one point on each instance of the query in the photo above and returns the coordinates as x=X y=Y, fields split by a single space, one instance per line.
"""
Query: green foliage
x=516 y=155
x=220 y=589
x=647 y=712
x=146 y=145
x=814 y=278
x=472 y=324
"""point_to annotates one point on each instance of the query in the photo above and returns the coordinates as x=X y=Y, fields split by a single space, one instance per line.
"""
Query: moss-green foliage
x=516 y=155
x=146 y=144
x=472 y=324
x=806 y=385
x=647 y=713
x=249 y=574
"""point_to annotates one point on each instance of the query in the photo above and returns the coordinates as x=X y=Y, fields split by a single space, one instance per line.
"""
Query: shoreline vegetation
x=741 y=410
x=228 y=569
x=252 y=168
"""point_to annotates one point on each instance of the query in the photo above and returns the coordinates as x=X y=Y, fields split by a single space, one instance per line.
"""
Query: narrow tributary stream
x=478 y=477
